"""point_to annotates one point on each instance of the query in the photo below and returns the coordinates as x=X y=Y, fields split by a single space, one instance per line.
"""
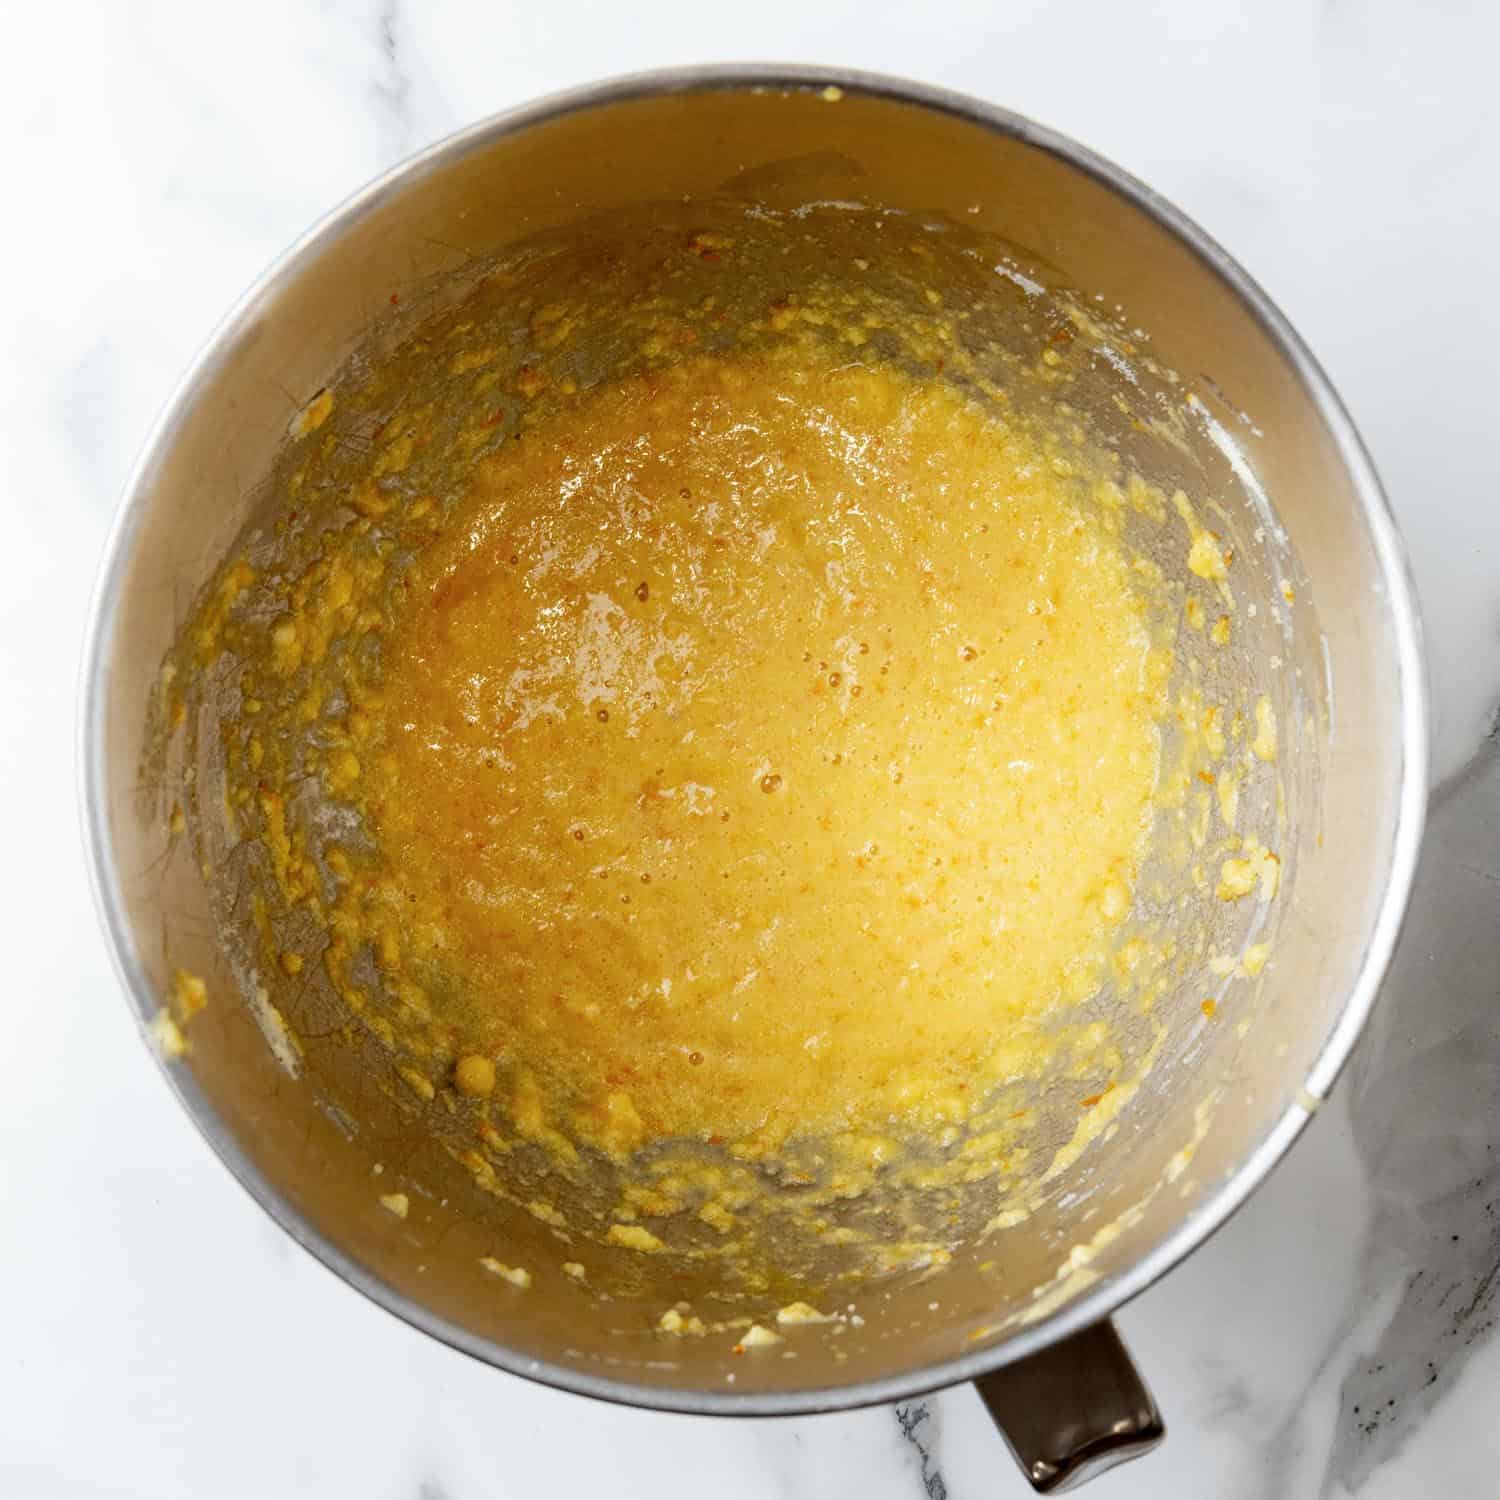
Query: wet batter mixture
x=757 y=750
x=700 y=747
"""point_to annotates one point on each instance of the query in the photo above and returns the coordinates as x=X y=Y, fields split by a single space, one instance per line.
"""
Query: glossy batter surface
x=762 y=751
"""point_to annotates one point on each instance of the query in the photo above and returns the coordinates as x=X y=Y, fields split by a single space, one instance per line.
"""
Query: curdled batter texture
x=711 y=759
x=762 y=751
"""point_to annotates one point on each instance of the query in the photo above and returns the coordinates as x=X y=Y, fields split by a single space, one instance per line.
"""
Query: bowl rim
x=1215 y=1207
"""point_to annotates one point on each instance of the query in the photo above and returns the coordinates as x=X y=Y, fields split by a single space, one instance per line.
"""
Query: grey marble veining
x=920 y=1424
x=1426 y=1115
x=392 y=87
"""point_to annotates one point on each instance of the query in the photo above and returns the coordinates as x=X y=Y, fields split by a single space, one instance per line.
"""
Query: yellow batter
x=761 y=752
x=689 y=728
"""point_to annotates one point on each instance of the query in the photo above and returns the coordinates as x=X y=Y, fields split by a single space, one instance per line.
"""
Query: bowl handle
x=1073 y=1410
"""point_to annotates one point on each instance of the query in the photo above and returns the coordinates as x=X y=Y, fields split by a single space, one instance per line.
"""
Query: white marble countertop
x=161 y=1337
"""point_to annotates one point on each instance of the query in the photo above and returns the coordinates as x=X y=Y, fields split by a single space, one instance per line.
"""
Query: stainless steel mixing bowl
x=1256 y=418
